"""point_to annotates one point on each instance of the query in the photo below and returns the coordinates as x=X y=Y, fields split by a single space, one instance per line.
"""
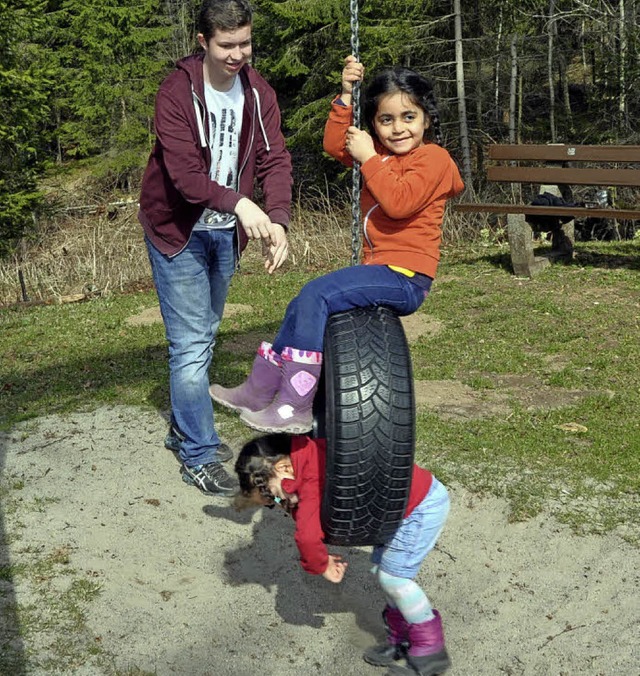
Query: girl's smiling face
x=400 y=123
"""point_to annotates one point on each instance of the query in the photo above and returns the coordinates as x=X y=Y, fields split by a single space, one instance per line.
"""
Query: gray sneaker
x=173 y=439
x=211 y=479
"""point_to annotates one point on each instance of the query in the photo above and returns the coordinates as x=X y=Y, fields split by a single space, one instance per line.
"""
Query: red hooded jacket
x=176 y=186
x=308 y=460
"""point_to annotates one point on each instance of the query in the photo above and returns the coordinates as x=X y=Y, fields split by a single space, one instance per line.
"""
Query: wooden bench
x=550 y=166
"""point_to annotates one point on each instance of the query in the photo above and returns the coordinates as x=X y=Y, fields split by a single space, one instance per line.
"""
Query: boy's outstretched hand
x=335 y=569
x=275 y=252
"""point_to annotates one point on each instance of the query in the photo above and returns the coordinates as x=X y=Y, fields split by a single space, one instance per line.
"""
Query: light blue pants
x=417 y=535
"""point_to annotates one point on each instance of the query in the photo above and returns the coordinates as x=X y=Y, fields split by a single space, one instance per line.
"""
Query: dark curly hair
x=256 y=465
x=414 y=85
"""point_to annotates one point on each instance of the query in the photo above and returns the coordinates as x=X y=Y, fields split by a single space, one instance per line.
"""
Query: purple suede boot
x=292 y=409
x=395 y=648
x=258 y=390
x=427 y=655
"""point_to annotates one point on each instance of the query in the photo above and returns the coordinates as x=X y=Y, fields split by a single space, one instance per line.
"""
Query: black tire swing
x=364 y=407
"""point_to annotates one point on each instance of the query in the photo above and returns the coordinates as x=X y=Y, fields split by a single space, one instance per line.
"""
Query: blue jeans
x=192 y=289
x=345 y=289
x=417 y=535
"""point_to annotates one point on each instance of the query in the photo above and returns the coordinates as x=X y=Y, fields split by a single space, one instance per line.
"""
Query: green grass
x=573 y=329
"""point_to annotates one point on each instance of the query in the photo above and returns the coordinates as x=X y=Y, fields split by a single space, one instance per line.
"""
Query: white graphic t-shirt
x=225 y=123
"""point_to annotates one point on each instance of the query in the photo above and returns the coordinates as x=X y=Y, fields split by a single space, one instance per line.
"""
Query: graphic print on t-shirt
x=225 y=121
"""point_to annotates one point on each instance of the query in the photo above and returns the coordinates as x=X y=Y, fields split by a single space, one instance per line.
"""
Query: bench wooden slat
x=564 y=153
x=555 y=164
x=564 y=175
x=489 y=208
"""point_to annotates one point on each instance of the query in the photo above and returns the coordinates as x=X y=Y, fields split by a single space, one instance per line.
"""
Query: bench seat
x=520 y=163
x=586 y=212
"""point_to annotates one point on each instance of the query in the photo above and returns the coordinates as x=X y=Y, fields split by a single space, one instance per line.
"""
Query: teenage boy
x=217 y=126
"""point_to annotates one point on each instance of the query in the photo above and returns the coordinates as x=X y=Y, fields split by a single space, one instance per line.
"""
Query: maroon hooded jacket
x=176 y=186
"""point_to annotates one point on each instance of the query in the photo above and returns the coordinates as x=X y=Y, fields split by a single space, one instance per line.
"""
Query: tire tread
x=369 y=424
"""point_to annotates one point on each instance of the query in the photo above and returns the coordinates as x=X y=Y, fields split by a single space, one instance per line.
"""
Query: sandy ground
x=191 y=587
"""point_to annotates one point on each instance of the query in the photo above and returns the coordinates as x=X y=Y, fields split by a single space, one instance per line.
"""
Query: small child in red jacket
x=289 y=471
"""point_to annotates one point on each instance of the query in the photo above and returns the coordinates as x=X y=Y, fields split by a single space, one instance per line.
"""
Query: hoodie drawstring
x=264 y=133
x=197 y=105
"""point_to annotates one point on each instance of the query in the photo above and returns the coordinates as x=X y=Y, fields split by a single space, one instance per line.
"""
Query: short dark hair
x=224 y=15
x=414 y=85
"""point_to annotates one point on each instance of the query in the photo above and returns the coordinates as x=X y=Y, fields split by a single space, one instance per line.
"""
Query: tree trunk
x=479 y=91
x=552 y=96
x=462 y=106
x=622 y=99
x=564 y=87
x=520 y=107
x=182 y=17
x=496 y=77
x=513 y=84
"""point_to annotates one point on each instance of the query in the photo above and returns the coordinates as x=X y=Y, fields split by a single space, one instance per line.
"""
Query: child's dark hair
x=255 y=466
x=414 y=85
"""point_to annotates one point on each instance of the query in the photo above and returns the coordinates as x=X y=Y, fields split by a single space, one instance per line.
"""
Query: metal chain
x=355 y=188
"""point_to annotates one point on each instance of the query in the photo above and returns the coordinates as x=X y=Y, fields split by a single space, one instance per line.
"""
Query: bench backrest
x=562 y=174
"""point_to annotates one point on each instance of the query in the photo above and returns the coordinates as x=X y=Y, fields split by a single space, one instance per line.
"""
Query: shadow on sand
x=11 y=644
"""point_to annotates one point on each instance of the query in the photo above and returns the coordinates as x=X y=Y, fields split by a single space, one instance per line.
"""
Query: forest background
x=78 y=80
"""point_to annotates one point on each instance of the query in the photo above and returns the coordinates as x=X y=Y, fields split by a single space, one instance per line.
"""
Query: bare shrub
x=320 y=232
x=74 y=256
x=82 y=255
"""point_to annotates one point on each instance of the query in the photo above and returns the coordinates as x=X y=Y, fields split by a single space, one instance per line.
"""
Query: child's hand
x=359 y=144
x=353 y=71
x=335 y=569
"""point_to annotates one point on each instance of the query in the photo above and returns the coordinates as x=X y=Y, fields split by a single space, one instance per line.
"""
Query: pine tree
x=107 y=55
x=23 y=94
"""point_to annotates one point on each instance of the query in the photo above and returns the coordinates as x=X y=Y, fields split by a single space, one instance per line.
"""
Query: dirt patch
x=418 y=325
x=415 y=325
x=452 y=399
x=151 y=315
x=244 y=344
x=188 y=586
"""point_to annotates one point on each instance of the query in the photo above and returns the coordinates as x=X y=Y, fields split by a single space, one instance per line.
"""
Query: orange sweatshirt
x=403 y=198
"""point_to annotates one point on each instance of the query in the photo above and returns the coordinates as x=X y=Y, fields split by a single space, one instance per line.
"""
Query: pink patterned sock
x=301 y=356
x=266 y=352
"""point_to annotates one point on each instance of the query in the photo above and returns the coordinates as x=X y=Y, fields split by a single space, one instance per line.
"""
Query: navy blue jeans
x=345 y=289
x=192 y=289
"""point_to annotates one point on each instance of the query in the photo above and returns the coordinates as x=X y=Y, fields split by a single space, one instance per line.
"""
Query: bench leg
x=524 y=263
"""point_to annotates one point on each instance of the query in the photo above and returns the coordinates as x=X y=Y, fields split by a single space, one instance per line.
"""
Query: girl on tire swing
x=407 y=178
x=290 y=471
